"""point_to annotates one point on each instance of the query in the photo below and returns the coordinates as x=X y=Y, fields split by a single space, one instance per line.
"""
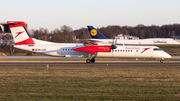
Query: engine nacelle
x=93 y=49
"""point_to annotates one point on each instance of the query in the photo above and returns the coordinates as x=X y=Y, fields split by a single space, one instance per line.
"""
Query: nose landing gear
x=161 y=61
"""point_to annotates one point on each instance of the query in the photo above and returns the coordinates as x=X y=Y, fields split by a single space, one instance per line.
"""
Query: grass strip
x=90 y=83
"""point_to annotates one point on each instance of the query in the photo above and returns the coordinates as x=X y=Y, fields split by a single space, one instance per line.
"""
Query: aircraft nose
x=166 y=55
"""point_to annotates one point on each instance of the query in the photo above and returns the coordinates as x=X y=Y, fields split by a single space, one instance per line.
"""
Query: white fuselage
x=65 y=49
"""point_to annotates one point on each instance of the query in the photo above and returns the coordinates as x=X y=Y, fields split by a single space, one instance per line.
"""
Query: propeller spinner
x=113 y=47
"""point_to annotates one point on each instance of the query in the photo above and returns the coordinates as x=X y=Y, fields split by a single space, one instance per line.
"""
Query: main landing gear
x=90 y=60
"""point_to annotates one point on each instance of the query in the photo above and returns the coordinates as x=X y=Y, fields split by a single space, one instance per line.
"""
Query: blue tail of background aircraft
x=95 y=34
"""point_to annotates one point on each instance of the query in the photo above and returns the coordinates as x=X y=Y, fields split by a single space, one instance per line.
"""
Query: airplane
x=86 y=49
x=99 y=37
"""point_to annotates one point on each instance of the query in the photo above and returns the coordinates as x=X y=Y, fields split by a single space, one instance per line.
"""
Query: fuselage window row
x=113 y=50
x=67 y=49
x=122 y=50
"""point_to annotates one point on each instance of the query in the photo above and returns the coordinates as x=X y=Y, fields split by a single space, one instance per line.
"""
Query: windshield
x=157 y=49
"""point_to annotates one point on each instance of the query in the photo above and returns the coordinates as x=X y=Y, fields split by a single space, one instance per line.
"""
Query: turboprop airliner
x=98 y=37
x=86 y=49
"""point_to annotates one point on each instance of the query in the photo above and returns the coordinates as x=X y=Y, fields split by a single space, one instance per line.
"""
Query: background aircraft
x=98 y=37
x=86 y=49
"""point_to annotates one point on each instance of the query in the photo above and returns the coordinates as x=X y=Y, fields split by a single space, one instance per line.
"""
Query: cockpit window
x=157 y=49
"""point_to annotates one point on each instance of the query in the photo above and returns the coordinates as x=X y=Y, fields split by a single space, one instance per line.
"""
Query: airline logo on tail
x=95 y=34
x=19 y=33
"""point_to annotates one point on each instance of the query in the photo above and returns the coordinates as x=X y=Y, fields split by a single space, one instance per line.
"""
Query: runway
x=166 y=63
x=91 y=64
x=47 y=57
x=28 y=57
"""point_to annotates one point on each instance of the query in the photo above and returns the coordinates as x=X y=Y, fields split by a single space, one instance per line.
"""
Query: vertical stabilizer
x=95 y=34
x=19 y=33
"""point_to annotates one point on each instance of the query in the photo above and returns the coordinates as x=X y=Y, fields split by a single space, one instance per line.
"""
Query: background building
x=121 y=36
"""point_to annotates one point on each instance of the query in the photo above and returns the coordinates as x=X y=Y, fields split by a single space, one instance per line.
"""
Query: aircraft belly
x=124 y=55
x=40 y=50
x=104 y=54
x=74 y=53
x=53 y=54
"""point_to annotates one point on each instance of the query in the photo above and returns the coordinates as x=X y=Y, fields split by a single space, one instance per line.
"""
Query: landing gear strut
x=161 y=61
x=91 y=58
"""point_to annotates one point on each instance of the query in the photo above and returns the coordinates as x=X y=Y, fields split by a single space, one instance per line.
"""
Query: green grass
x=90 y=83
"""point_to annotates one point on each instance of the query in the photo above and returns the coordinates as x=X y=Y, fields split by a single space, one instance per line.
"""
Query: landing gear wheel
x=88 y=61
x=92 y=60
x=161 y=61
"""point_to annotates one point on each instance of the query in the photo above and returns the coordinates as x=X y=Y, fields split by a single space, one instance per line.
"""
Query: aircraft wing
x=93 y=48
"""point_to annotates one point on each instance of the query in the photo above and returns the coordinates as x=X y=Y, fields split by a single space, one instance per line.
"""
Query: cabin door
x=137 y=53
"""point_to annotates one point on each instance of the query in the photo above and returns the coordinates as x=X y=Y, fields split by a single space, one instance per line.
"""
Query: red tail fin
x=19 y=33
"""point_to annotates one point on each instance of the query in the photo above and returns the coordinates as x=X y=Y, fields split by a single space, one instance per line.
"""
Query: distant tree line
x=141 y=31
x=65 y=33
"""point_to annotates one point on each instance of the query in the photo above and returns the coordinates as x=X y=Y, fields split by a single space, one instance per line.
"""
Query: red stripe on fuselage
x=28 y=41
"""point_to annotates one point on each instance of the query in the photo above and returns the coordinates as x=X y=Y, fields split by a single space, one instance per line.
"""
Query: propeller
x=113 y=46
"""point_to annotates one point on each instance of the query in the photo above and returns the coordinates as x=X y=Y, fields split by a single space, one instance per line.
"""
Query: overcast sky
x=52 y=14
